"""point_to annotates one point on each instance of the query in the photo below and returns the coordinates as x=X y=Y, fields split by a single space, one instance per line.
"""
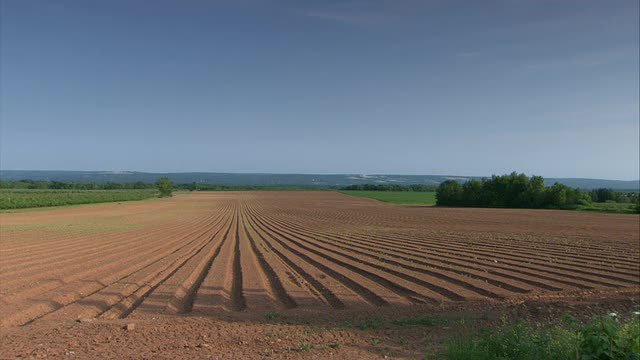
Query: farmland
x=250 y=256
x=612 y=207
x=30 y=198
x=397 y=197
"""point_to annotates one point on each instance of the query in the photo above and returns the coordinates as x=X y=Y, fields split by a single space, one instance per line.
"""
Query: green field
x=398 y=197
x=611 y=207
x=23 y=198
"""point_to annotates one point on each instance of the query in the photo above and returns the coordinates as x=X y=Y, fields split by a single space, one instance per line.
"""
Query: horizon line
x=115 y=172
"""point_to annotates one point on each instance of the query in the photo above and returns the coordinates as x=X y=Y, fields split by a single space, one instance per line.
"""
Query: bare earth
x=287 y=274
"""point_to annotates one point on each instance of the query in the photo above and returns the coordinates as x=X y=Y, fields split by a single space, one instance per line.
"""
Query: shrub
x=604 y=337
x=165 y=186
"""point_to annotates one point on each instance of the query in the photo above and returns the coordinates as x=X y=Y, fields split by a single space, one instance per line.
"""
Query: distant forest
x=322 y=180
x=506 y=191
x=139 y=185
x=376 y=187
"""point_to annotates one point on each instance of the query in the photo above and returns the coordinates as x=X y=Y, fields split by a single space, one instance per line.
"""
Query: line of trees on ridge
x=139 y=185
x=68 y=185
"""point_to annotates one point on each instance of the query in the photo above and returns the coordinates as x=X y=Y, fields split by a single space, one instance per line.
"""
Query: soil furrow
x=238 y=301
x=274 y=281
x=375 y=299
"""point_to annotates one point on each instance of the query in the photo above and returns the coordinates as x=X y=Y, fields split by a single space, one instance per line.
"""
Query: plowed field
x=220 y=266
x=243 y=254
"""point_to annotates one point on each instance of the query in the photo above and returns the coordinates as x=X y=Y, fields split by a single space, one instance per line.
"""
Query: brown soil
x=275 y=274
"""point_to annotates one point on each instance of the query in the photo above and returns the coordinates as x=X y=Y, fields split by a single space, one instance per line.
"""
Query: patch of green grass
x=33 y=198
x=310 y=330
x=397 y=197
x=415 y=320
x=366 y=323
x=370 y=323
x=345 y=324
x=604 y=337
x=611 y=207
x=304 y=346
x=272 y=315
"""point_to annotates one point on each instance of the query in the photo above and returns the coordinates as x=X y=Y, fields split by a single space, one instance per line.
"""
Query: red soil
x=232 y=259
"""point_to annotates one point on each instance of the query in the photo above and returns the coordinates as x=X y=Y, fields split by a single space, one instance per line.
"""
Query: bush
x=604 y=337
x=165 y=187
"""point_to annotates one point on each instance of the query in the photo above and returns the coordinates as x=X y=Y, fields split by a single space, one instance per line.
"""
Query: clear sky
x=381 y=86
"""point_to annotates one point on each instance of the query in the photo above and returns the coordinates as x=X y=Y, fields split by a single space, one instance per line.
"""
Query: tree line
x=139 y=185
x=67 y=185
x=513 y=190
x=606 y=195
x=163 y=185
x=519 y=191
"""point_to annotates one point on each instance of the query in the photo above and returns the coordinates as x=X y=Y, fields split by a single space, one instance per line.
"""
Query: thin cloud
x=585 y=60
x=369 y=12
x=346 y=18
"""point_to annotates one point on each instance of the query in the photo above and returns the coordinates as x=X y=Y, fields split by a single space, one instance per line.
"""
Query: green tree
x=165 y=186
x=515 y=191
x=535 y=192
x=139 y=185
x=449 y=193
x=557 y=195
x=472 y=193
x=604 y=195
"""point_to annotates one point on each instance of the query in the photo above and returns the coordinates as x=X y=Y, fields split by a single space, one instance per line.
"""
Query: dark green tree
x=139 y=185
x=449 y=193
x=472 y=193
x=604 y=195
x=513 y=191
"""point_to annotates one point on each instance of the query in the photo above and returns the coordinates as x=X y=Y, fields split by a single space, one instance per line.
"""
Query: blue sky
x=382 y=86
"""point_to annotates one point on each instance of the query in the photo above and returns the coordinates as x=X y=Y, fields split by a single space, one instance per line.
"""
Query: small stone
x=129 y=327
x=205 y=346
x=84 y=320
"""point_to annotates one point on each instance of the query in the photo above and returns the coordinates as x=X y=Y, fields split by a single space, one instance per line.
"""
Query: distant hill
x=596 y=183
x=282 y=179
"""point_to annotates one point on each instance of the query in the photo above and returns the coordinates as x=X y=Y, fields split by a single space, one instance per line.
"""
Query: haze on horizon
x=343 y=87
